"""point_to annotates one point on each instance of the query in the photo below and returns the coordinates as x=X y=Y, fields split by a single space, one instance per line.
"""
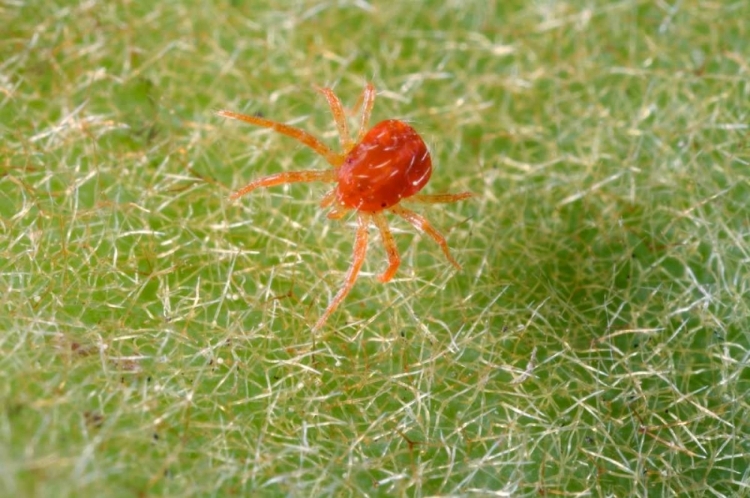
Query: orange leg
x=355 y=108
x=421 y=224
x=368 y=96
x=390 y=247
x=360 y=249
x=290 y=131
x=338 y=210
x=328 y=199
x=340 y=117
x=286 y=177
x=439 y=198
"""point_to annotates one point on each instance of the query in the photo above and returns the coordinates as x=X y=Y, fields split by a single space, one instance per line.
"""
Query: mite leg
x=338 y=210
x=368 y=97
x=340 y=117
x=286 y=177
x=360 y=249
x=439 y=198
x=390 y=247
x=421 y=224
x=328 y=199
x=290 y=131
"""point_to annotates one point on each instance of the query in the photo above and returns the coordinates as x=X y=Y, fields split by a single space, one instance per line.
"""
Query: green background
x=155 y=337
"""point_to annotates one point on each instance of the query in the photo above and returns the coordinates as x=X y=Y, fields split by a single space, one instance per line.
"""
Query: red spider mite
x=373 y=174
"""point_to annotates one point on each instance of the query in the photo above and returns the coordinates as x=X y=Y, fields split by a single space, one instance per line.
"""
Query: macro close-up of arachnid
x=374 y=172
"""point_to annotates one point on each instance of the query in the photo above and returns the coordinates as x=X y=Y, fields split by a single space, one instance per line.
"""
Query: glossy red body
x=390 y=163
